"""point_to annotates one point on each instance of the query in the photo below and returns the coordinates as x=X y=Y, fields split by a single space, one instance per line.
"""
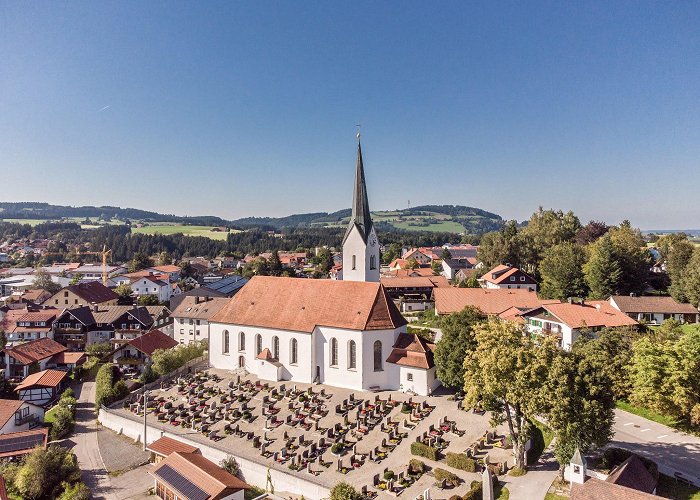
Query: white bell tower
x=360 y=244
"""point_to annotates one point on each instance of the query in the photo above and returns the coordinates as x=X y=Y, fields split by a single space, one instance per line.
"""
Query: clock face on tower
x=372 y=240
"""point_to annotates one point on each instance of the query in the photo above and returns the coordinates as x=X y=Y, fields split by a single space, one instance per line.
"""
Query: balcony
x=59 y=330
x=30 y=419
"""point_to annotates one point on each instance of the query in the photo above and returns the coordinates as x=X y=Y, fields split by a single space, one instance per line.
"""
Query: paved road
x=535 y=484
x=86 y=447
x=673 y=450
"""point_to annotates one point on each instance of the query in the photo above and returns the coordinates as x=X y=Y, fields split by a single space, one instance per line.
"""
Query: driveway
x=673 y=450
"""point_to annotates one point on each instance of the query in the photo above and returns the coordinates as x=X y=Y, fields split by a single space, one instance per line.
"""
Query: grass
x=646 y=413
x=542 y=437
x=50 y=415
x=501 y=493
x=164 y=228
x=253 y=492
x=554 y=496
x=670 y=488
x=445 y=226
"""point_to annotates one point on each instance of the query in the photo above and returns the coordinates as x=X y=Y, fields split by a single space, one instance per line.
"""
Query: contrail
x=102 y=109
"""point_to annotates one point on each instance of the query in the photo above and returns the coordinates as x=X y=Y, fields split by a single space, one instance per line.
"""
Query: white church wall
x=340 y=375
x=388 y=376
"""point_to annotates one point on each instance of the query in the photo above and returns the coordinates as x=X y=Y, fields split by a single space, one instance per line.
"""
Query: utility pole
x=145 y=411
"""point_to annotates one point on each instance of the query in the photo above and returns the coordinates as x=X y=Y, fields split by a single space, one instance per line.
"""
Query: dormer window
x=522 y=278
x=512 y=278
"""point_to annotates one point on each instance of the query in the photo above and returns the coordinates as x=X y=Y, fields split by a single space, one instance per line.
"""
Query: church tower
x=360 y=245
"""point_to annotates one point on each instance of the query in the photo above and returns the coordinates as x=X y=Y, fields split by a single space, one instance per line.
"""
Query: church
x=344 y=333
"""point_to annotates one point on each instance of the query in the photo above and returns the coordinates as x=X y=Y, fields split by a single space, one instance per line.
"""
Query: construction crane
x=104 y=253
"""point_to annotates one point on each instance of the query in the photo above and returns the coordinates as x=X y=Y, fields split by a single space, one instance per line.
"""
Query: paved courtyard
x=291 y=427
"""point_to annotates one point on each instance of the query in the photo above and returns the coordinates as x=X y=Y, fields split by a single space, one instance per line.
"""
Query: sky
x=244 y=109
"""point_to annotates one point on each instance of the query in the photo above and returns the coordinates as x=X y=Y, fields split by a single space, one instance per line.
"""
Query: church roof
x=302 y=304
x=412 y=350
x=361 y=216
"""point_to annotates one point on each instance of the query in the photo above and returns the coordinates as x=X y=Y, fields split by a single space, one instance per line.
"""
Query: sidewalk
x=535 y=484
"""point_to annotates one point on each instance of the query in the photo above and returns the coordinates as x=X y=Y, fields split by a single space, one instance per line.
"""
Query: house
x=37 y=296
x=138 y=352
x=16 y=444
x=465 y=274
x=69 y=360
x=32 y=325
x=84 y=294
x=191 y=318
x=125 y=323
x=450 y=267
x=17 y=416
x=417 y=255
x=413 y=294
x=505 y=276
x=94 y=272
x=41 y=387
x=566 y=320
x=414 y=357
x=171 y=270
x=18 y=360
x=191 y=476
x=654 y=310
x=164 y=446
x=491 y=302
x=150 y=285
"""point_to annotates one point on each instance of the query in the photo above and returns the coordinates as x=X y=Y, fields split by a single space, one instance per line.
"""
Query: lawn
x=554 y=496
x=50 y=415
x=670 y=488
x=31 y=222
x=646 y=413
x=445 y=226
x=205 y=231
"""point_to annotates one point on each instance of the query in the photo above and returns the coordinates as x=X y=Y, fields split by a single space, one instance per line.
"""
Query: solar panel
x=190 y=490
x=21 y=442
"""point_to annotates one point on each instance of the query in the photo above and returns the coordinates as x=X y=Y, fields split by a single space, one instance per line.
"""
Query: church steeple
x=361 y=216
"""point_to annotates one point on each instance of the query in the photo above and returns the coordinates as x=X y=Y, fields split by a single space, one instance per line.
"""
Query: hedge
x=104 y=381
x=461 y=461
x=449 y=477
x=423 y=450
x=475 y=492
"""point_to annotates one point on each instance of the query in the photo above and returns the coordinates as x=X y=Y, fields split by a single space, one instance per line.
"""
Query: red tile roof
x=40 y=315
x=92 y=292
x=69 y=358
x=490 y=301
x=164 y=446
x=203 y=473
x=265 y=355
x=6 y=438
x=302 y=304
x=8 y=407
x=650 y=304
x=595 y=489
x=35 y=350
x=45 y=378
x=167 y=268
x=412 y=350
x=596 y=313
x=150 y=341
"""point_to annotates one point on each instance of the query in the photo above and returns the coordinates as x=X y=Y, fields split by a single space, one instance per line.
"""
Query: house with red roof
x=138 y=352
x=17 y=415
x=508 y=277
x=32 y=325
x=42 y=387
x=18 y=360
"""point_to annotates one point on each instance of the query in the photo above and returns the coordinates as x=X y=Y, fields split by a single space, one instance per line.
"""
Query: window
x=225 y=349
x=241 y=341
x=276 y=347
x=258 y=344
x=378 y=362
x=352 y=355
x=354 y=261
x=512 y=278
x=409 y=377
x=65 y=294
x=293 y=352
x=373 y=262
x=334 y=352
x=522 y=278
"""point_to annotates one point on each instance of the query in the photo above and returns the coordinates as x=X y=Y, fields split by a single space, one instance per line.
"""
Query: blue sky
x=249 y=108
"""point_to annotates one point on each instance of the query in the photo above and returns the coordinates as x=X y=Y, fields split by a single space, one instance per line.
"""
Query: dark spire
x=360 y=205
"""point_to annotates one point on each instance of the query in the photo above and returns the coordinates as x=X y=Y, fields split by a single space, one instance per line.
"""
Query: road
x=673 y=450
x=86 y=448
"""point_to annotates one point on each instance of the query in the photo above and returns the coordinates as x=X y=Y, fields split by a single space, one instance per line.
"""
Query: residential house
x=164 y=446
x=18 y=360
x=191 y=318
x=417 y=255
x=465 y=274
x=42 y=387
x=190 y=475
x=84 y=294
x=17 y=444
x=151 y=285
x=69 y=360
x=413 y=293
x=509 y=277
x=566 y=320
x=137 y=353
x=654 y=310
x=32 y=325
x=17 y=416
x=450 y=267
x=491 y=302
x=171 y=270
x=37 y=296
x=17 y=283
x=227 y=286
x=128 y=323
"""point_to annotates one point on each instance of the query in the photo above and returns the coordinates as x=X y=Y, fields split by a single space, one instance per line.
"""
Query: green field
x=446 y=226
x=31 y=222
x=164 y=228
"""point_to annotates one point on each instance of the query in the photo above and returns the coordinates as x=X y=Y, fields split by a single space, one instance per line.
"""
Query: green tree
x=148 y=300
x=561 y=270
x=77 y=491
x=445 y=255
x=602 y=270
x=123 y=290
x=500 y=247
x=139 y=262
x=545 y=229
x=325 y=261
x=633 y=257
x=457 y=338
x=275 y=264
x=44 y=471
x=505 y=373
x=677 y=253
x=691 y=279
x=99 y=349
x=392 y=252
x=164 y=259
x=411 y=263
x=436 y=266
x=230 y=465
x=63 y=422
x=43 y=280
x=76 y=278
x=344 y=491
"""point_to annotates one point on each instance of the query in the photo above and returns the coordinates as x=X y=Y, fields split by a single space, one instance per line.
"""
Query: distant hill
x=434 y=218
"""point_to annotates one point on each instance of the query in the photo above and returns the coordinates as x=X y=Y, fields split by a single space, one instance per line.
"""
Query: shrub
x=344 y=491
x=450 y=478
x=461 y=461
x=43 y=472
x=77 y=491
x=517 y=471
x=63 y=423
x=99 y=349
x=389 y=475
x=415 y=466
x=169 y=360
x=68 y=393
x=120 y=390
x=103 y=385
x=406 y=408
x=337 y=448
x=230 y=465
x=475 y=492
x=423 y=450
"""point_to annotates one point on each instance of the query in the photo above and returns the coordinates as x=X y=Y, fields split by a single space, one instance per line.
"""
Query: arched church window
x=225 y=347
x=373 y=262
x=378 y=362
x=352 y=355
x=241 y=341
x=258 y=344
x=276 y=347
x=354 y=261
x=334 y=352
x=293 y=348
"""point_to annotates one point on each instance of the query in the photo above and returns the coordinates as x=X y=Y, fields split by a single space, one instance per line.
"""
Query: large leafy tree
x=561 y=271
x=545 y=229
x=140 y=261
x=591 y=232
x=677 y=254
x=602 y=271
x=43 y=280
x=457 y=338
x=633 y=257
x=500 y=247
x=43 y=471
x=691 y=279
x=505 y=372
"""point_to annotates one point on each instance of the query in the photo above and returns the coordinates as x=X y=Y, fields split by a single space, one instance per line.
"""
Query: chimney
x=570 y=300
x=597 y=306
x=95 y=308
x=196 y=299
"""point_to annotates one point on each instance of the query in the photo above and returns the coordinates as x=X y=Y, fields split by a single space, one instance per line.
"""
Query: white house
x=191 y=317
x=508 y=277
x=654 y=310
x=340 y=333
x=150 y=285
x=17 y=416
x=42 y=387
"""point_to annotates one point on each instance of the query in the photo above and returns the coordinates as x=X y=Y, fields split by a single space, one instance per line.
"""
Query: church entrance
x=241 y=361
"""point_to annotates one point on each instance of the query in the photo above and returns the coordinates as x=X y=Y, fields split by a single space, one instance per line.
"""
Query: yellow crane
x=104 y=253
